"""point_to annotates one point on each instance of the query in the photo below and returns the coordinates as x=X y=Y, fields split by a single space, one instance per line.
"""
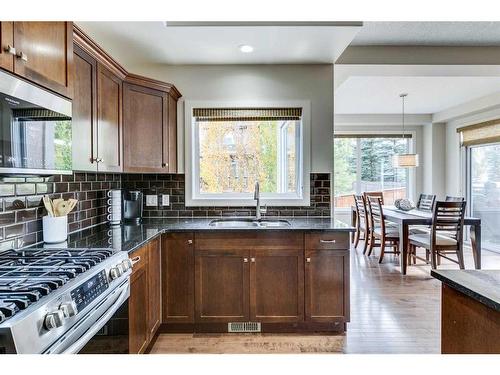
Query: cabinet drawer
x=249 y=240
x=141 y=253
x=327 y=241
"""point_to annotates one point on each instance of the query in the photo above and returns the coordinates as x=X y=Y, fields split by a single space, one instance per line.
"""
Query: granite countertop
x=129 y=237
x=482 y=285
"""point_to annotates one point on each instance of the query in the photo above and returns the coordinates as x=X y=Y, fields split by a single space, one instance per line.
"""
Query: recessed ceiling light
x=245 y=48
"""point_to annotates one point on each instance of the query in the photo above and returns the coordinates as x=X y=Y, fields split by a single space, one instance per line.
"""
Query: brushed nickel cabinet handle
x=252 y=260
x=10 y=50
x=245 y=260
x=308 y=260
x=22 y=56
x=135 y=260
x=190 y=242
x=327 y=241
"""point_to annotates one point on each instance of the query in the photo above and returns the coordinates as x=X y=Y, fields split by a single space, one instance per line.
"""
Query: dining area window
x=363 y=162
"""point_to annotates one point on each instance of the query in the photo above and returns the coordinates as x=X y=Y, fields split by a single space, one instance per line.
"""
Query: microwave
x=35 y=129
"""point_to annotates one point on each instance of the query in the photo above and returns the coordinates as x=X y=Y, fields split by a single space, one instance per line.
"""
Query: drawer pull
x=252 y=260
x=190 y=242
x=135 y=260
x=327 y=241
x=308 y=260
x=245 y=260
x=22 y=56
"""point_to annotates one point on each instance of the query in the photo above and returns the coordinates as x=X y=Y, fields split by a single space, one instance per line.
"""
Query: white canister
x=55 y=229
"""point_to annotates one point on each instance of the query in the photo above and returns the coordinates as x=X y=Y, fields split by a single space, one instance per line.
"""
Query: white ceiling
x=135 y=43
x=426 y=95
x=429 y=33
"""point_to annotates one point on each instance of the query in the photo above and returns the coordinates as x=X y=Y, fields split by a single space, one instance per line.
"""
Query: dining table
x=420 y=217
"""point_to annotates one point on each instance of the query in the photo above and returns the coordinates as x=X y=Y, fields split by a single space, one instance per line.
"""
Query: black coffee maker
x=132 y=206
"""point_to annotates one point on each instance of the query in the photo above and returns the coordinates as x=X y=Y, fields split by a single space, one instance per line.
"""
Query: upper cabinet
x=149 y=125
x=41 y=52
x=121 y=122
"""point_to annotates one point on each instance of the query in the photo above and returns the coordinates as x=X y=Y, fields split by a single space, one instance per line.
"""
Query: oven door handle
x=85 y=338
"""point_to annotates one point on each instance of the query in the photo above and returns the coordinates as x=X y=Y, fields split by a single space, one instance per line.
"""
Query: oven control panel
x=90 y=290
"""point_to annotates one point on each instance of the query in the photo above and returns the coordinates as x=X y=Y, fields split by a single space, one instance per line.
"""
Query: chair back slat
x=361 y=209
x=376 y=212
x=378 y=194
x=449 y=198
x=426 y=202
x=448 y=220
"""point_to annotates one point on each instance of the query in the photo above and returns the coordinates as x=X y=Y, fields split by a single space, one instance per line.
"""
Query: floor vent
x=243 y=327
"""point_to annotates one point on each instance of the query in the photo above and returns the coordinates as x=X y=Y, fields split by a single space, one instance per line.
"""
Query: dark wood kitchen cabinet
x=109 y=120
x=326 y=278
x=138 y=303
x=84 y=121
x=145 y=296
x=41 y=52
x=97 y=108
x=7 y=45
x=154 y=285
x=277 y=285
x=177 y=277
x=221 y=289
x=150 y=123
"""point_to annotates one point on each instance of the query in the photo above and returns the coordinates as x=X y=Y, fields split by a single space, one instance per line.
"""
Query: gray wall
x=262 y=82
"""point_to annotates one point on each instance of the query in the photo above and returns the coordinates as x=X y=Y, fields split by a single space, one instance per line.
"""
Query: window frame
x=411 y=183
x=194 y=198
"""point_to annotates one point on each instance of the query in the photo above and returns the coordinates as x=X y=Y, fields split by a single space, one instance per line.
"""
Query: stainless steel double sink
x=249 y=223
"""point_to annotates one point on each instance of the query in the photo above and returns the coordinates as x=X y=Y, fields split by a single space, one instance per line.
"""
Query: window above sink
x=231 y=146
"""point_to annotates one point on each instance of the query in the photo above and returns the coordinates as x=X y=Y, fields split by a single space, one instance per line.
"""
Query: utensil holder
x=55 y=229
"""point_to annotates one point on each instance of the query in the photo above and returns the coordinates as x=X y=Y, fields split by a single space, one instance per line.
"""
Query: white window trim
x=412 y=180
x=246 y=199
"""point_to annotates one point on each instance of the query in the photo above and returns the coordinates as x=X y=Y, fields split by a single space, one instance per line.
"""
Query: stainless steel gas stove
x=56 y=300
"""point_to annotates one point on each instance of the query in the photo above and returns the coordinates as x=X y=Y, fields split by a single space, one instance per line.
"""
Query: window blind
x=482 y=133
x=246 y=114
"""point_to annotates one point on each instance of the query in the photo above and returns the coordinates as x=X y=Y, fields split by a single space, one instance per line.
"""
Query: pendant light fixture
x=404 y=160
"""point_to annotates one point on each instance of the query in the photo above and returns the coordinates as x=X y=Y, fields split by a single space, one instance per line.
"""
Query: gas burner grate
x=26 y=275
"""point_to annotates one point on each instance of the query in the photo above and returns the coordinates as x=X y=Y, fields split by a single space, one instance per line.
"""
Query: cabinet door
x=154 y=269
x=6 y=40
x=109 y=106
x=178 y=278
x=327 y=285
x=84 y=121
x=144 y=116
x=221 y=287
x=138 y=311
x=47 y=54
x=170 y=137
x=277 y=285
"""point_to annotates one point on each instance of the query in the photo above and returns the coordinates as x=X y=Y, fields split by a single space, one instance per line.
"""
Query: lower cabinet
x=277 y=285
x=327 y=285
x=177 y=277
x=145 y=296
x=221 y=287
x=287 y=281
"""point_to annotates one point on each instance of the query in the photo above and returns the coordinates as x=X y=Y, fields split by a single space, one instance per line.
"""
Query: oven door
x=104 y=329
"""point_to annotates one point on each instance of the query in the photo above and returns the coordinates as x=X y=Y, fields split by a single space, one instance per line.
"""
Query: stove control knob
x=127 y=264
x=54 y=320
x=69 y=309
x=115 y=273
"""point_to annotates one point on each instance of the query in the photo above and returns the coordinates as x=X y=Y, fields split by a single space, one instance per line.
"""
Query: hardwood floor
x=390 y=313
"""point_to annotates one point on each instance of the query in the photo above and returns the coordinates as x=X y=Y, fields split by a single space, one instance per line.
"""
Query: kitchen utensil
x=48 y=205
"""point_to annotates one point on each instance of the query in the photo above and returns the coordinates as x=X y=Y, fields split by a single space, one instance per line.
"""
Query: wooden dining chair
x=445 y=237
x=387 y=235
x=449 y=198
x=426 y=202
x=378 y=194
x=362 y=226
